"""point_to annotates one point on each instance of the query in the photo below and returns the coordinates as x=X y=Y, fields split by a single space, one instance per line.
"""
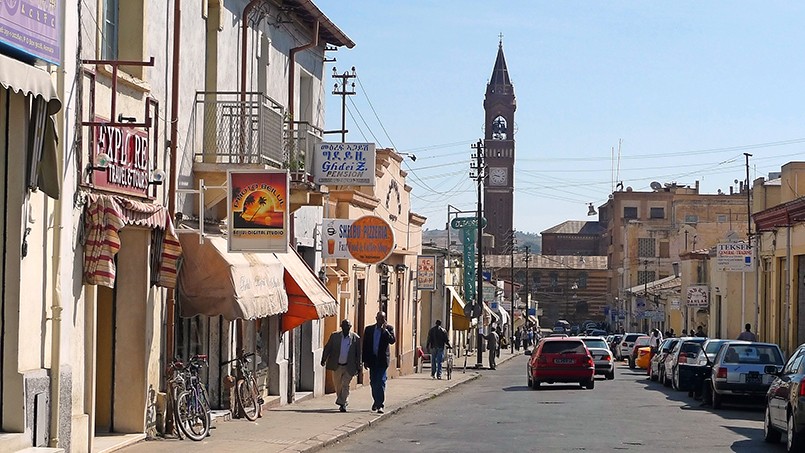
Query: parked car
x=639 y=342
x=614 y=345
x=741 y=368
x=626 y=345
x=602 y=356
x=701 y=370
x=561 y=360
x=686 y=363
x=657 y=365
x=671 y=360
x=643 y=357
x=785 y=403
x=595 y=333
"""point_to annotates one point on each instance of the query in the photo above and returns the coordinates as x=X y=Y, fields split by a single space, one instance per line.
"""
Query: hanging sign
x=734 y=257
x=697 y=296
x=32 y=27
x=425 y=273
x=344 y=164
x=258 y=210
x=369 y=239
x=128 y=169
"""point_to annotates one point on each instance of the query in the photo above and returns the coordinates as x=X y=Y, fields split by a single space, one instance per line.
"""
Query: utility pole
x=344 y=90
x=512 y=241
x=748 y=241
x=478 y=174
x=527 y=293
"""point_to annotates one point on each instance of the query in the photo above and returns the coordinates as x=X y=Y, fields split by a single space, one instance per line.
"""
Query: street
x=629 y=413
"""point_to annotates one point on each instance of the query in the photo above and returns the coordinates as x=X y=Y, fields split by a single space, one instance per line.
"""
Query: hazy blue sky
x=688 y=86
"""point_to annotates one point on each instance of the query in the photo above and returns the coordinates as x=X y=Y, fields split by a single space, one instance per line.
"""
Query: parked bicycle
x=249 y=400
x=189 y=399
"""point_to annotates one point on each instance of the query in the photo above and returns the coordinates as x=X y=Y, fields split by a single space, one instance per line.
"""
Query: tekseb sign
x=129 y=169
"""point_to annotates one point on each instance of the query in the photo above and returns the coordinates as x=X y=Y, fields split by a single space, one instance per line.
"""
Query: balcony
x=228 y=131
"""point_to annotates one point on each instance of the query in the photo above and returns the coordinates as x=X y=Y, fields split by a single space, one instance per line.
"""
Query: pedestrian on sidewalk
x=376 y=341
x=518 y=334
x=492 y=343
x=437 y=341
x=747 y=334
x=342 y=356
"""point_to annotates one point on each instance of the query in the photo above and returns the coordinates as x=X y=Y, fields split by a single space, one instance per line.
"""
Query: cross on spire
x=500 y=37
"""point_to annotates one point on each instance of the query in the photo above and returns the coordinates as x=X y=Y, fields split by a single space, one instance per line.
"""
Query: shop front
x=237 y=302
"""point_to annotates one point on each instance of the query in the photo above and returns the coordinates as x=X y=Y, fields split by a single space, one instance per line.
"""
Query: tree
x=262 y=202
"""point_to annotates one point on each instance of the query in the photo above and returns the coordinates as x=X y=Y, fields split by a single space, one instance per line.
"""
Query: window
x=692 y=218
x=111 y=20
x=665 y=249
x=554 y=279
x=629 y=212
x=646 y=248
x=722 y=218
x=657 y=213
x=644 y=277
x=535 y=280
x=563 y=347
x=582 y=308
x=582 y=280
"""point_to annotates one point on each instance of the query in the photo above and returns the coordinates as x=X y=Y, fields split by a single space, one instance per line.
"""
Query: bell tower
x=499 y=107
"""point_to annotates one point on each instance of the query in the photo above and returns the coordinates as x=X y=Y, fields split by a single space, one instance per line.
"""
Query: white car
x=603 y=358
x=627 y=344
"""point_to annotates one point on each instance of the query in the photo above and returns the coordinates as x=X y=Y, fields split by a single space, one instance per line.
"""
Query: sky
x=631 y=91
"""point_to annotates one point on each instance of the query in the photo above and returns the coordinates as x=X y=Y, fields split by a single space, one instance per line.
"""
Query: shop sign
x=675 y=304
x=734 y=257
x=129 y=166
x=697 y=296
x=369 y=239
x=32 y=27
x=344 y=164
x=425 y=273
x=490 y=291
x=258 y=210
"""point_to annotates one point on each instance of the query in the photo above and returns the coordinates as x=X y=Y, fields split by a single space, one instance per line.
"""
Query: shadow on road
x=734 y=409
x=516 y=388
x=754 y=442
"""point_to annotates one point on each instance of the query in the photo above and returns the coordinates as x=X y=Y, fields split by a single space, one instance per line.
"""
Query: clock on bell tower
x=499 y=107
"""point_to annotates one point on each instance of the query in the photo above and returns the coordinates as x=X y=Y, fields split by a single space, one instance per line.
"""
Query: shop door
x=400 y=295
x=105 y=359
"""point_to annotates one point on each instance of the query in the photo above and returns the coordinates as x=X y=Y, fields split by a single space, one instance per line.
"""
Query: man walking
x=376 y=341
x=492 y=342
x=342 y=356
x=437 y=340
x=747 y=334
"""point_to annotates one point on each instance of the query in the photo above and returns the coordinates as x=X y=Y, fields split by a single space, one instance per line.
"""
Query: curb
x=317 y=443
x=350 y=429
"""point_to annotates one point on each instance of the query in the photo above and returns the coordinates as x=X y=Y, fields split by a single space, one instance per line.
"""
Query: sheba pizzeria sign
x=369 y=239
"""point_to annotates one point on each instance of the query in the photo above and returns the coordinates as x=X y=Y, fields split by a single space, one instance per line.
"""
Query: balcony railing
x=301 y=139
x=226 y=129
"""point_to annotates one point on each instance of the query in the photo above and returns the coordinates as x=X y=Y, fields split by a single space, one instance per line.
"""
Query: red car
x=561 y=360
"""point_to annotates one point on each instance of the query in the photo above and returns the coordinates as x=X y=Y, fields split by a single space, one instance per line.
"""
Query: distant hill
x=439 y=238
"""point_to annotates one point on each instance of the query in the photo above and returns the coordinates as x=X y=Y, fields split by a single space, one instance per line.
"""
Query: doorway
x=360 y=300
x=400 y=296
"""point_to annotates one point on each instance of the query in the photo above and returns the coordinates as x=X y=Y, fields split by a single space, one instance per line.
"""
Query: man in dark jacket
x=342 y=356
x=376 y=341
x=437 y=340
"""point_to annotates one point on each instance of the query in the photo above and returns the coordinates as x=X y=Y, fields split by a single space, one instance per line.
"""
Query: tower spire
x=500 y=82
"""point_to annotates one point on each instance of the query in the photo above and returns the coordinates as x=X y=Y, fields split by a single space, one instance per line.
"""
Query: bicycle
x=249 y=400
x=189 y=399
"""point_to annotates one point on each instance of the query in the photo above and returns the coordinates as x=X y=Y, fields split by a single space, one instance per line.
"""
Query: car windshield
x=563 y=347
x=595 y=343
x=631 y=338
x=753 y=354
x=690 y=346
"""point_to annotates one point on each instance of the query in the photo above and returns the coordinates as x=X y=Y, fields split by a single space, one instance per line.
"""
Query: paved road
x=499 y=412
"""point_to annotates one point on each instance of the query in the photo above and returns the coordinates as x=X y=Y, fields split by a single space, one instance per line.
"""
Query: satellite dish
x=655 y=185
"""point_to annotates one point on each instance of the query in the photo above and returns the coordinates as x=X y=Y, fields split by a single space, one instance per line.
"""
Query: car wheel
x=794 y=440
x=675 y=379
x=535 y=384
x=717 y=399
x=770 y=434
x=611 y=375
x=631 y=363
x=590 y=384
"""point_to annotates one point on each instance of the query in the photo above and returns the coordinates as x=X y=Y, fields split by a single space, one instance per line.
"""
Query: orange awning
x=308 y=298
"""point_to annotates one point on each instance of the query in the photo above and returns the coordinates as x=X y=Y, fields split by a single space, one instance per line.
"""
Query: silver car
x=739 y=370
x=602 y=356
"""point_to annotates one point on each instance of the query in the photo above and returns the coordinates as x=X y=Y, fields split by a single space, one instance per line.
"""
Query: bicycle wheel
x=194 y=421
x=249 y=398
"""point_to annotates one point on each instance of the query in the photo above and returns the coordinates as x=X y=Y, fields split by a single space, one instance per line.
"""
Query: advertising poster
x=258 y=210
x=344 y=164
x=369 y=239
x=425 y=273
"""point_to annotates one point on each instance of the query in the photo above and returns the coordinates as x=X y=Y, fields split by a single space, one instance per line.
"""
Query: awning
x=215 y=282
x=458 y=320
x=29 y=80
x=504 y=316
x=308 y=299
x=494 y=316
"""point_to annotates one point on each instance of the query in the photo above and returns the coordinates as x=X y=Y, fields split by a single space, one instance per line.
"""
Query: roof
x=582 y=227
x=309 y=13
x=669 y=282
x=500 y=82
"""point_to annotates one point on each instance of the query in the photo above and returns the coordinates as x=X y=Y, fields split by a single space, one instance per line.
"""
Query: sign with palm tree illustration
x=258 y=210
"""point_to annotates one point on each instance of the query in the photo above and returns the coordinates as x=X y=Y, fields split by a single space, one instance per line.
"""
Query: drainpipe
x=56 y=307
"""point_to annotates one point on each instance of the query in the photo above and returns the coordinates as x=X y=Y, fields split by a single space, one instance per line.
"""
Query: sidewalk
x=315 y=423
